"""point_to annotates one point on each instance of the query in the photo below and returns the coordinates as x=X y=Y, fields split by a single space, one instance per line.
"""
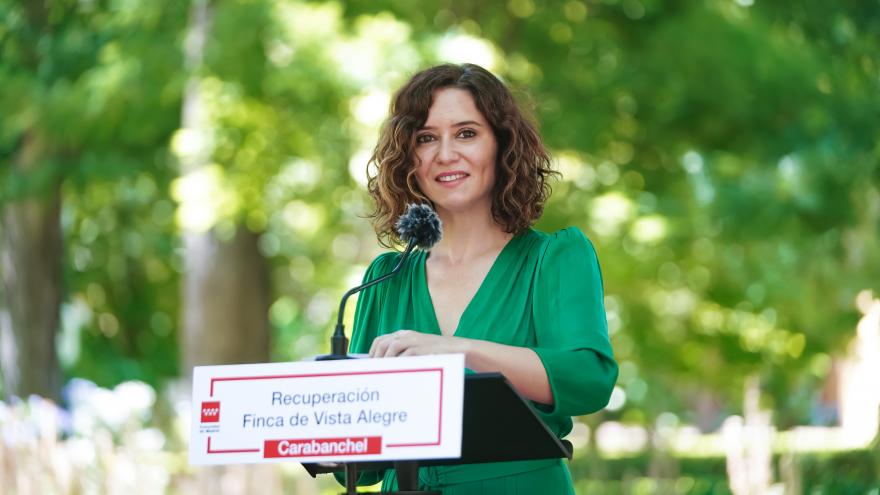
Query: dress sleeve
x=571 y=329
x=368 y=312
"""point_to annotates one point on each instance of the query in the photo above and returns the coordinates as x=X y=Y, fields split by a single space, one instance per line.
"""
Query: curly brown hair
x=522 y=163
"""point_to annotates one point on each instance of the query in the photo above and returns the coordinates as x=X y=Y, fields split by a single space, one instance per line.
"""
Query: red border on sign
x=439 y=423
x=342 y=373
x=228 y=451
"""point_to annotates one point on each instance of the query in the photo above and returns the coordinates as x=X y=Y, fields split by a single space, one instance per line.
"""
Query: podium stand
x=498 y=425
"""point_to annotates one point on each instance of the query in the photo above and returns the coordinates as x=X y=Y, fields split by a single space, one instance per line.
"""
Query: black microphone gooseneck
x=420 y=227
x=338 y=342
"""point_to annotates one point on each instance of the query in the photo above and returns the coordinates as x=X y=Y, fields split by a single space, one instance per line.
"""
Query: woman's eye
x=467 y=133
x=424 y=138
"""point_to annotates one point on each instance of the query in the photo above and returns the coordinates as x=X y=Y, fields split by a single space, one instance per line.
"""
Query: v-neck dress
x=544 y=292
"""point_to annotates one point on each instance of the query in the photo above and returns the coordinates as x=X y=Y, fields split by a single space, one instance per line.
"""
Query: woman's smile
x=452 y=178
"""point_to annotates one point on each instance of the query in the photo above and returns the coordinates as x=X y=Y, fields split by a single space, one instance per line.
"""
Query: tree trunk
x=30 y=248
x=226 y=283
x=225 y=301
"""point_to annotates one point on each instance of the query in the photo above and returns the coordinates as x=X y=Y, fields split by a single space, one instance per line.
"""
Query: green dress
x=544 y=292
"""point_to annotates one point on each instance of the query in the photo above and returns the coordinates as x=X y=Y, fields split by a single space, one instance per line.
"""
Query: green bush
x=840 y=473
x=855 y=472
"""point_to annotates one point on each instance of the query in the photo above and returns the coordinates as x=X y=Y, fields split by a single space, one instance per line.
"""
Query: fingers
x=380 y=344
x=377 y=349
x=387 y=345
x=413 y=343
x=399 y=343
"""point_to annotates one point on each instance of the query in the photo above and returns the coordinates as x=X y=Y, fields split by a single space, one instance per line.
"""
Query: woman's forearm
x=520 y=365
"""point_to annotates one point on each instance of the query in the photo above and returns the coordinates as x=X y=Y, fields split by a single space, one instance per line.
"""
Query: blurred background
x=183 y=183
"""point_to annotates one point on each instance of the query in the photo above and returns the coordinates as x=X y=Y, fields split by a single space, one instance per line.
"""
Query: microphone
x=419 y=226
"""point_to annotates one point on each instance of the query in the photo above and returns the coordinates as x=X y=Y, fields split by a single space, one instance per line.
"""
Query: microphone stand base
x=332 y=357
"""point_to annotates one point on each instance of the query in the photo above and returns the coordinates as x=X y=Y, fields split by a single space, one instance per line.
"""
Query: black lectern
x=498 y=425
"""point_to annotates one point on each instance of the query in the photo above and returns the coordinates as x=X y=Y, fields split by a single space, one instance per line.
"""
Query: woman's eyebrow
x=457 y=124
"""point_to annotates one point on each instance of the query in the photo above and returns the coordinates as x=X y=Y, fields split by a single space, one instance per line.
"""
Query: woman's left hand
x=412 y=343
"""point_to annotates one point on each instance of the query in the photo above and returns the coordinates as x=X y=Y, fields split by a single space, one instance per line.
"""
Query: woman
x=510 y=298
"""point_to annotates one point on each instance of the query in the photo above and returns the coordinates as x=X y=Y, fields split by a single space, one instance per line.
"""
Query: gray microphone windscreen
x=421 y=224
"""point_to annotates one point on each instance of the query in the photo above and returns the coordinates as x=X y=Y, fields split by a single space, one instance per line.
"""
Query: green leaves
x=722 y=158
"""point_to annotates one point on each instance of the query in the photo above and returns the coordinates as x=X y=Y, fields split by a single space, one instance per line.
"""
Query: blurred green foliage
x=840 y=473
x=721 y=155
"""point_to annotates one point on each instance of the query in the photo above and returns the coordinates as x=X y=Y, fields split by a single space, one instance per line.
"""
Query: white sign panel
x=328 y=411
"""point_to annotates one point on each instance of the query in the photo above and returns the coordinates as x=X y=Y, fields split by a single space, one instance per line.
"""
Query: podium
x=498 y=425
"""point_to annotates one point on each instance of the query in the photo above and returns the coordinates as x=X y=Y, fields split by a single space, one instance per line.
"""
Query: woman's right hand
x=413 y=343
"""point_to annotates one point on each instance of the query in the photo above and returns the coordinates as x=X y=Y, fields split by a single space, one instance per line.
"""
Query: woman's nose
x=446 y=152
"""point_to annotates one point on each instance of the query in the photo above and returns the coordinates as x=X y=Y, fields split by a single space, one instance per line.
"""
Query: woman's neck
x=470 y=236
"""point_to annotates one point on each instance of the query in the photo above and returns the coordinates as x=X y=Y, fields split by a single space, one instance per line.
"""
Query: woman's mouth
x=451 y=177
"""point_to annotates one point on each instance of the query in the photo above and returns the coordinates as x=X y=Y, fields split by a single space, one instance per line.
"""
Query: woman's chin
x=461 y=206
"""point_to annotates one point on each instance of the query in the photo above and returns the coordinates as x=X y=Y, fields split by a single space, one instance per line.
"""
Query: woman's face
x=456 y=149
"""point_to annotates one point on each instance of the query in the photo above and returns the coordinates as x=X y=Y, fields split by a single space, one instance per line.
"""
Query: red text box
x=317 y=447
